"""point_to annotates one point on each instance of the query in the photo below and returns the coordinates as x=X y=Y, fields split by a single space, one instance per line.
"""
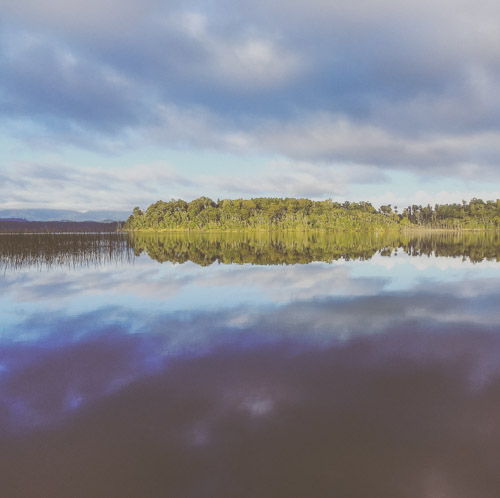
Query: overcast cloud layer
x=333 y=94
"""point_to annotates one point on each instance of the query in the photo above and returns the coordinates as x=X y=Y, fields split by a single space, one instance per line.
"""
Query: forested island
x=290 y=214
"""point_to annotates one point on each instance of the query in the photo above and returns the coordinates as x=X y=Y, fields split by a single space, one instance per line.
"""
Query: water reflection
x=368 y=418
x=19 y=251
x=272 y=248
x=373 y=376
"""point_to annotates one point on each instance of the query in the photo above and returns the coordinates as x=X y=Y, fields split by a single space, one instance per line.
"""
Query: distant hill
x=23 y=226
x=61 y=214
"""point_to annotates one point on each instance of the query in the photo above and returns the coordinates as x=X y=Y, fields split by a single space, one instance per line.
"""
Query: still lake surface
x=232 y=365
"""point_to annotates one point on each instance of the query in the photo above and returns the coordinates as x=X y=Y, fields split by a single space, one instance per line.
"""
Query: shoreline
x=312 y=230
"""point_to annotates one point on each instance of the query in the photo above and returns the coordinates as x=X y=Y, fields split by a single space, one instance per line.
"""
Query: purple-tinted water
x=360 y=378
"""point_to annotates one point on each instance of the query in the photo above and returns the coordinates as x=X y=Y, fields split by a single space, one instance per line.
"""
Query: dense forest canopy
x=263 y=213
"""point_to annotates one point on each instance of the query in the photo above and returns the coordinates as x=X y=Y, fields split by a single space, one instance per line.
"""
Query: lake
x=250 y=365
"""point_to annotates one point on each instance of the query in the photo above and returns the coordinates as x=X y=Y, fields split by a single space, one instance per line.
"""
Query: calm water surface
x=250 y=366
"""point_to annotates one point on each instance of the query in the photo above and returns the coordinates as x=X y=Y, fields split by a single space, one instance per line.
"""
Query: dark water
x=371 y=371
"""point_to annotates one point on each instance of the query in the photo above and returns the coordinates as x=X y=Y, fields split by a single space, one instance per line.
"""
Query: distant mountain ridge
x=62 y=215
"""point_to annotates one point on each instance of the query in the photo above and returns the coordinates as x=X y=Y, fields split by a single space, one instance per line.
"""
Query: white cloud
x=247 y=61
x=61 y=185
x=103 y=18
x=198 y=127
x=326 y=139
x=341 y=92
x=284 y=178
x=423 y=198
x=69 y=187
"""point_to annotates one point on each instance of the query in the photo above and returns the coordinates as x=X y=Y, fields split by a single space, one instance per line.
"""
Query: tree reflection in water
x=259 y=248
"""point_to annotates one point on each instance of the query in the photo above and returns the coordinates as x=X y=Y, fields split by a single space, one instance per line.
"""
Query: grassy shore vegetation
x=264 y=214
x=70 y=250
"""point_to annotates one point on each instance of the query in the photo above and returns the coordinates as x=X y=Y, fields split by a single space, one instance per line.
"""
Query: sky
x=111 y=104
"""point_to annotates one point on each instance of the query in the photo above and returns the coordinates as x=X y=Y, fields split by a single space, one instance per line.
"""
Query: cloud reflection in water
x=395 y=414
x=312 y=380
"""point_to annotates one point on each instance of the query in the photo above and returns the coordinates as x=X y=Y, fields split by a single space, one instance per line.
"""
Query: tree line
x=290 y=214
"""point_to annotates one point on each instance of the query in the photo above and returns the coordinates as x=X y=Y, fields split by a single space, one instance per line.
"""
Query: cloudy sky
x=108 y=104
